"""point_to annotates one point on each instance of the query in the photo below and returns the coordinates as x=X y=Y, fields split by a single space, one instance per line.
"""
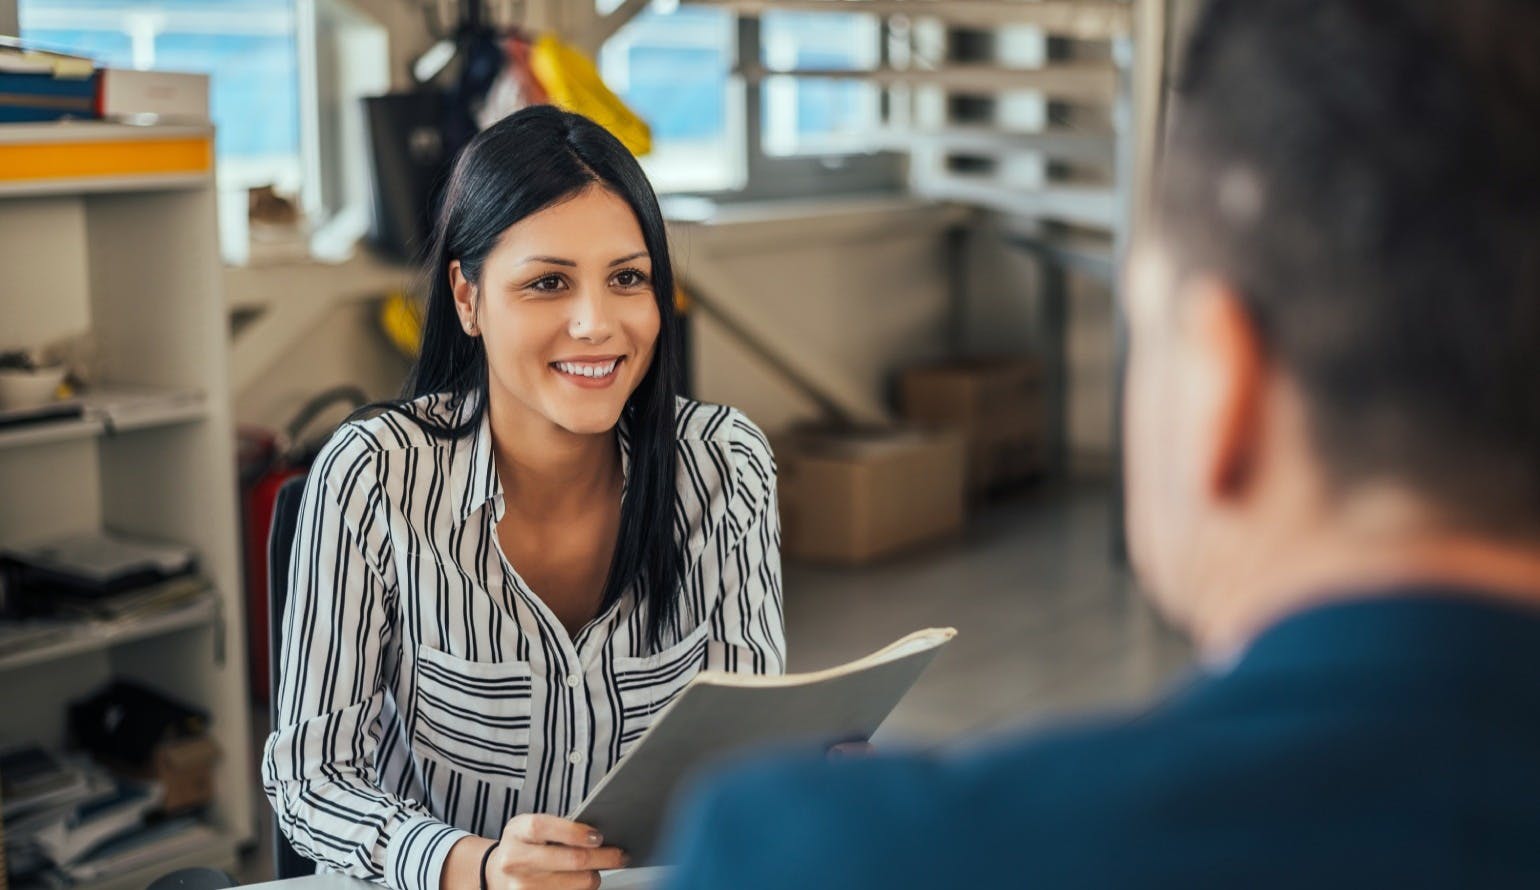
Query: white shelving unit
x=112 y=229
x=84 y=637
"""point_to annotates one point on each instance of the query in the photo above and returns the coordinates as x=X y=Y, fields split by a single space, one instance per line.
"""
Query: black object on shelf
x=125 y=721
x=410 y=161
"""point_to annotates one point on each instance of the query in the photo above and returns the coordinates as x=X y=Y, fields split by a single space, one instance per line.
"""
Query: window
x=812 y=115
x=674 y=69
x=674 y=66
x=247 y=47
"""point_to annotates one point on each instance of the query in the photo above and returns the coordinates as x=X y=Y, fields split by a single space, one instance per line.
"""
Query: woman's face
x=566 y=310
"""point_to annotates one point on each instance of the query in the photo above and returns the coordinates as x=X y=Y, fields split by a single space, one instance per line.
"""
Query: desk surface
x=629 y=879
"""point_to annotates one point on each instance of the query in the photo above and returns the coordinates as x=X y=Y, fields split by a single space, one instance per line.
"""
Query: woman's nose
x=590 y=318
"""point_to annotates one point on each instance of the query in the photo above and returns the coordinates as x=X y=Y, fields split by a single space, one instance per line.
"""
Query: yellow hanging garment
x=401 y=321
x=573 y=83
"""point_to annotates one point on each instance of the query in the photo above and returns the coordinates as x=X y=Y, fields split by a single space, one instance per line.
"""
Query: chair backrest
x=287 y=862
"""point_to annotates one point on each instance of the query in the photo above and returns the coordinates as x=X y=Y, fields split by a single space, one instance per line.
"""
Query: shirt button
x=574 y=680
x=575 y=758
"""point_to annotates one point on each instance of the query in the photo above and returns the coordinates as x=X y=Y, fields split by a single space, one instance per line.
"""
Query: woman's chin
x=588 y=420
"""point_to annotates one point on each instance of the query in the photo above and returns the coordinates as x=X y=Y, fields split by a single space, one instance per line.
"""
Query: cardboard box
x=185 y=767
x=169 y=96
x=850 y=497
x=999 y=407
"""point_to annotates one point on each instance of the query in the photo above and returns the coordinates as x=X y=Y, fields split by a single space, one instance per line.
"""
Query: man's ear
x=465 y=298
x=1234 y=371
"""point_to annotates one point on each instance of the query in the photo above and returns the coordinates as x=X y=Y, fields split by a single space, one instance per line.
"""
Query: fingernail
x=595 y=839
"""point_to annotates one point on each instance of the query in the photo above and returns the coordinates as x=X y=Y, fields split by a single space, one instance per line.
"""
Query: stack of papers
x=45 y=86
x=99 y=562
x=34 y=778
x=19 y=58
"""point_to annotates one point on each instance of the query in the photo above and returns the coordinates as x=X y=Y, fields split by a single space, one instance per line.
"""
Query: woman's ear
x=465 y=298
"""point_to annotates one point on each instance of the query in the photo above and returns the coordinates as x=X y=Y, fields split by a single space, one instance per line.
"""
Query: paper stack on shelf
x=127 y=605
x=114 y=407
x=146 y=846
x=21 y=635
x=78 y=587
x=40 y=788
x=95 y=563
x=33 y=778
x=96 y=821
x=121 y=407
x=44 y=86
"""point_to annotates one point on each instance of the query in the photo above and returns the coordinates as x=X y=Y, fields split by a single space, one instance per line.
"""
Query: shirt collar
x=478 y=464
x=1411 y=628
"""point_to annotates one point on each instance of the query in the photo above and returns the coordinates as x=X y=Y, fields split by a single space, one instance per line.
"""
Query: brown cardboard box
x=185 y=767
x=997 y=404
x=851 y=497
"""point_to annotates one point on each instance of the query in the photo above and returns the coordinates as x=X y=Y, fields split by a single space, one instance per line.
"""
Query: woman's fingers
x=538 y=828
x=535 y=844
x=585 y=880
x=553 y=857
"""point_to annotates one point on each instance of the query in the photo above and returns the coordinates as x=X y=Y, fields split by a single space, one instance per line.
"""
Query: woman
x=499 y=581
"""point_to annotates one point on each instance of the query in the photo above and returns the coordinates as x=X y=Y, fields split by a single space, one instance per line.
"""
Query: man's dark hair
x=1367 y=174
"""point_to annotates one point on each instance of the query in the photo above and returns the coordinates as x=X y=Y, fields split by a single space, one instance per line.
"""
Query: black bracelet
x=485 y=858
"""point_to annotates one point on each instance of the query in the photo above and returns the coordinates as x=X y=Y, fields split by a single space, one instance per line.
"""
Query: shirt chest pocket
x=473 y=716
x=649 y=684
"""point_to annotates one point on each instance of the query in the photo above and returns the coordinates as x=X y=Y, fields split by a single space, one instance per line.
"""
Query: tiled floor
x=1045 y=621
x=1046 y=624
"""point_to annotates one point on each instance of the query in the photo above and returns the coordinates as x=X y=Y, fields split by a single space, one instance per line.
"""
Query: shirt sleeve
x=749 y=630
x=318 y=767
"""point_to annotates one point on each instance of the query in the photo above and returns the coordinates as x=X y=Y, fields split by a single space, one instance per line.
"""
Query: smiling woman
x=499 y=580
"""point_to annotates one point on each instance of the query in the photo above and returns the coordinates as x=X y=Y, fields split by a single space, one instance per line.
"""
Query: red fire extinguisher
x=267 y=461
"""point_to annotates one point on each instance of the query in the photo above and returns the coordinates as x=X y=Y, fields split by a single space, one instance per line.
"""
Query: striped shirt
x=427 y=693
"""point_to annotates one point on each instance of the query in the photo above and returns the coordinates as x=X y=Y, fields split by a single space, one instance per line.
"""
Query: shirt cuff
x=417 y=851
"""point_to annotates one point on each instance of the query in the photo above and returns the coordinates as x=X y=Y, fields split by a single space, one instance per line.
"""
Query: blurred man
x=1334 y=484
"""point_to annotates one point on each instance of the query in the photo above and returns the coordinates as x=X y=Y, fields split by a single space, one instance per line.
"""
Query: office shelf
x=111 y=231
x=90 y=157
x=107 y=412
x=94 y=636
x=221 y=852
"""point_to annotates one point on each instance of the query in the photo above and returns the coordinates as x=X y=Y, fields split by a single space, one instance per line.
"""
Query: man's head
x=1336 y=311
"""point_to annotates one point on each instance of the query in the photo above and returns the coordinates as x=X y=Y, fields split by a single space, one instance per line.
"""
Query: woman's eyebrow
x=555 y=261
x=626 y=259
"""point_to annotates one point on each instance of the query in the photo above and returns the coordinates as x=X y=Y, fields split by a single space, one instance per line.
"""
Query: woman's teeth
x=584 y=370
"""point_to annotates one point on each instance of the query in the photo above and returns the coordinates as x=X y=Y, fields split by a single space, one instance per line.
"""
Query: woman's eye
x=630 y=278
x=547 y=284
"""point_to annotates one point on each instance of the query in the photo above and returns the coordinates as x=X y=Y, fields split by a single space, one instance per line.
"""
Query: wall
x=317 y=328
x=845 y=291
x=345 y=348
x=1004 y=314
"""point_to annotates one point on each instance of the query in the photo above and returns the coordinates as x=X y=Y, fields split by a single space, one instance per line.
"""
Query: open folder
x=720 y=713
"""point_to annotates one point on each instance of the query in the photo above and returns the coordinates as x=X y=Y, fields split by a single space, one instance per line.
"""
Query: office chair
x=287 y=862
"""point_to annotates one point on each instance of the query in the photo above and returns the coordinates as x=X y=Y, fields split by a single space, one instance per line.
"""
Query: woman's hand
x=539 y=852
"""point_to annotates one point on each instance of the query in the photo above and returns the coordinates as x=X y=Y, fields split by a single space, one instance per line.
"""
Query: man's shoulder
x=900 y=819
x=1034 y=806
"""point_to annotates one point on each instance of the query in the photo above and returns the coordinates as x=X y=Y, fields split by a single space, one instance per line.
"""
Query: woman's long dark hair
x=519 y=166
